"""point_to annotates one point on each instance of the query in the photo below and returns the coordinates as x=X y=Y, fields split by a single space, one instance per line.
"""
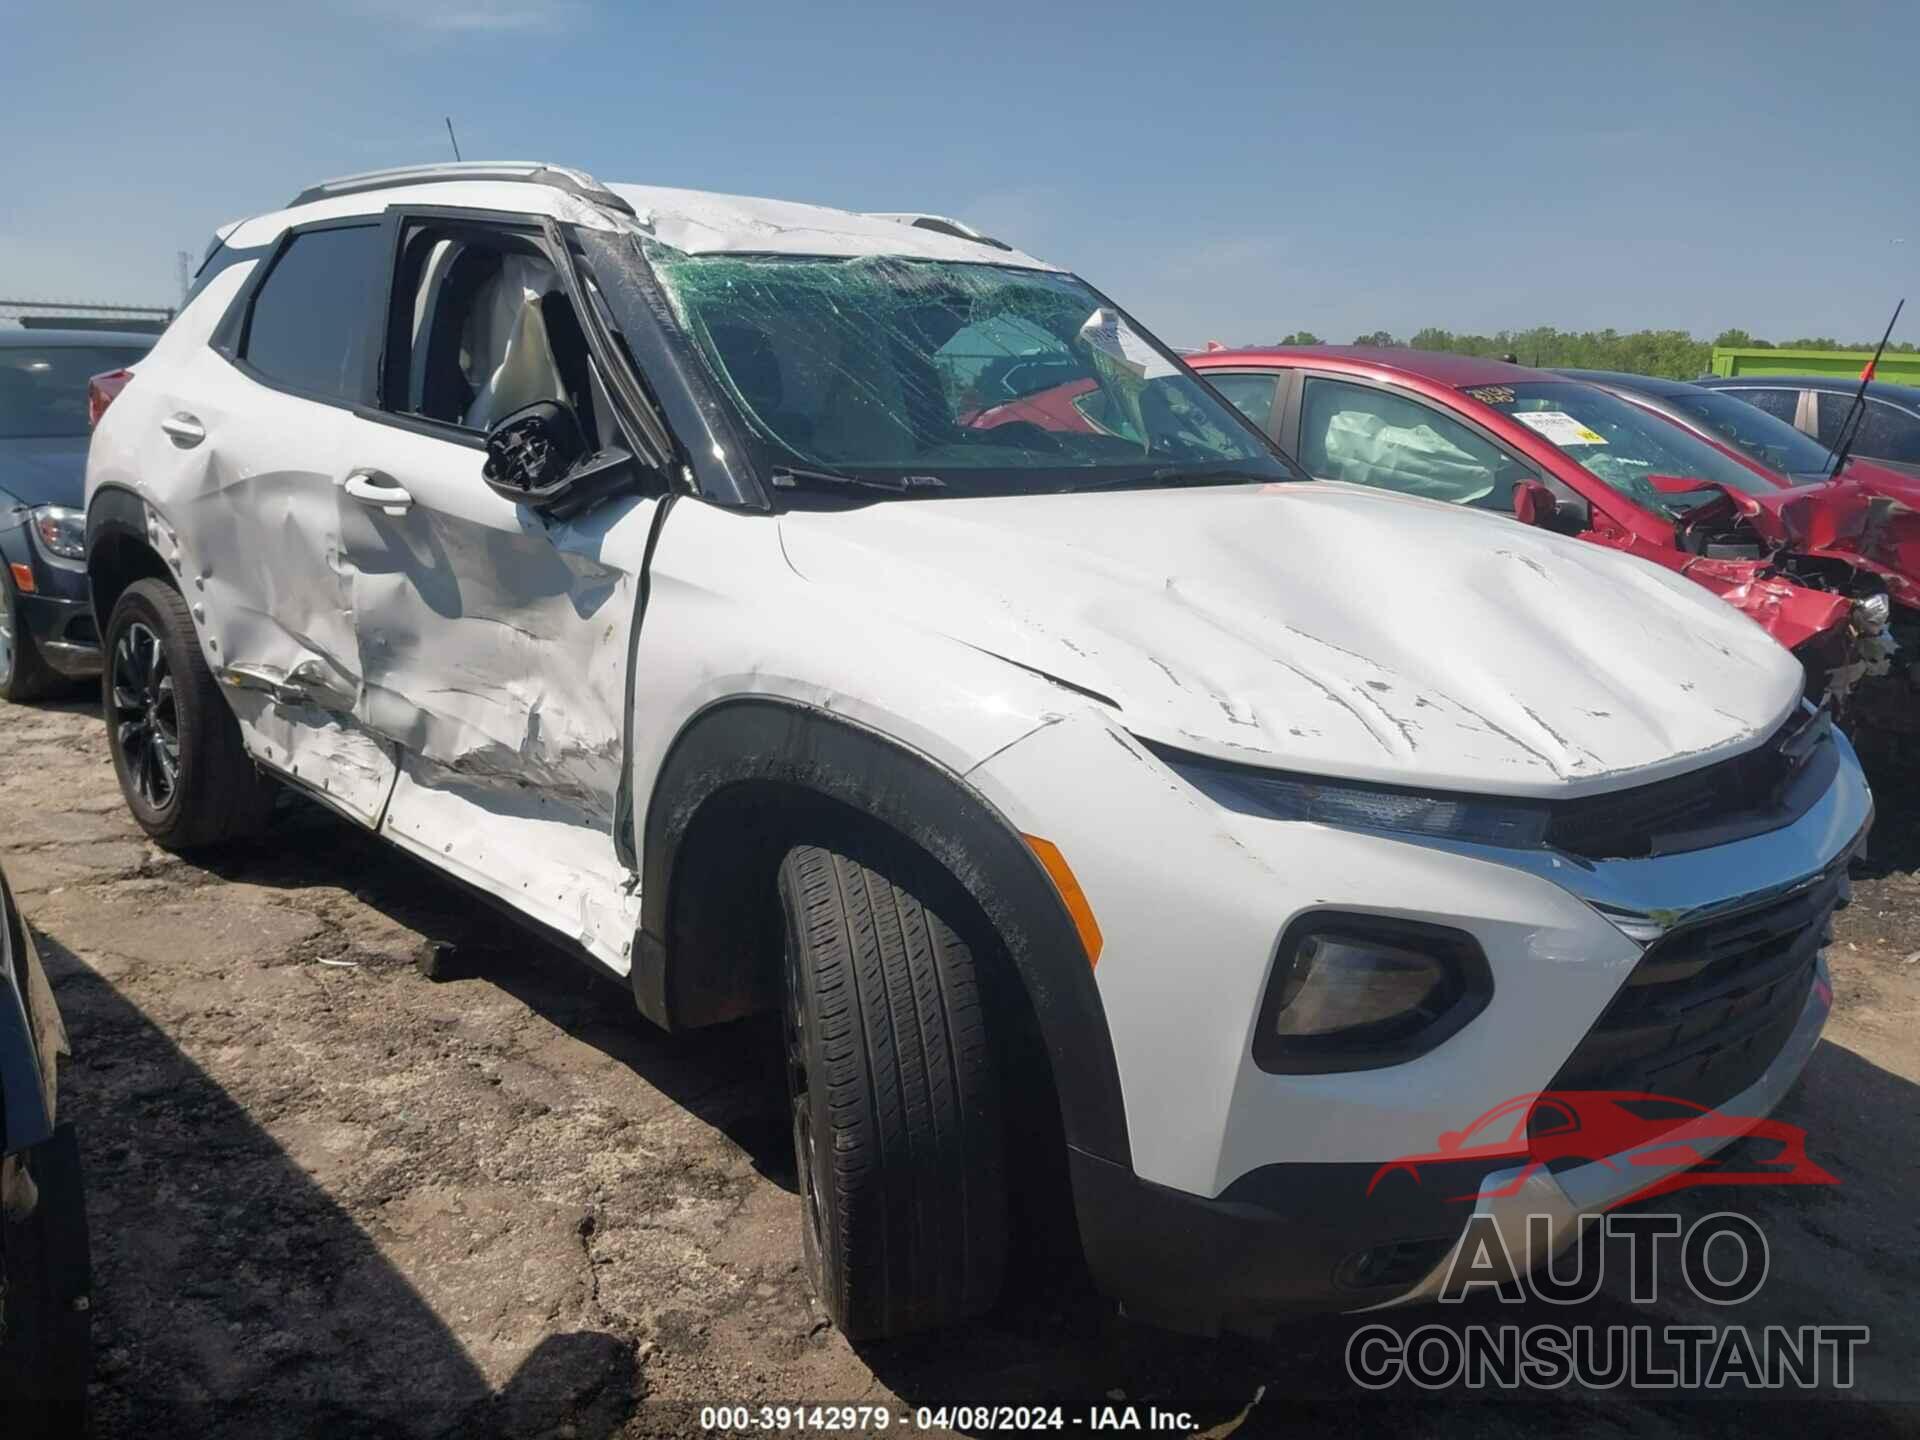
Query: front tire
x=183 y=769
x=895 y=1098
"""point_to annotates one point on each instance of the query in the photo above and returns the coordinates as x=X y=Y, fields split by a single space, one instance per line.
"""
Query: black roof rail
x=531 y=172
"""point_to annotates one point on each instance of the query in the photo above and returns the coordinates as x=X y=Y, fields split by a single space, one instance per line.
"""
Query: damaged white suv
x=850 y=615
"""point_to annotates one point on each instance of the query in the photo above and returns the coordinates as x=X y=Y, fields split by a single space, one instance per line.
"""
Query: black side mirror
x=532 y=452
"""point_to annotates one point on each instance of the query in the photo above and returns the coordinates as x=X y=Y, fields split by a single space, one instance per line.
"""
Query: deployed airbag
x=1416 y=459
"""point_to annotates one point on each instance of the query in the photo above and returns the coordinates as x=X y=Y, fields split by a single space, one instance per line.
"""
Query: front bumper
x=1243 y=1194
x=1510 y=1195
x=1294 y=1238
x=64 y=633
x=1287 y=1238
x=56 y=613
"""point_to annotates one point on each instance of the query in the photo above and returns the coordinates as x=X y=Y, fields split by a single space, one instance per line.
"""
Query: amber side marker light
x=23 y=581
x=1071 y=895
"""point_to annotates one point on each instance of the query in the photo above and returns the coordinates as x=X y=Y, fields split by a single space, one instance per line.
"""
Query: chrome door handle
x=372 y=487
x=184 y=430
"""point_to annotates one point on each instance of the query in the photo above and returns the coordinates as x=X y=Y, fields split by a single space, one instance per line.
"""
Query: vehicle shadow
x=729 y=1077
x=83 y=698
x=233 y=1298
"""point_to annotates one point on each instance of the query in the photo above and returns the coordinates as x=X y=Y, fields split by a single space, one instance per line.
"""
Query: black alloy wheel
x=146 y=714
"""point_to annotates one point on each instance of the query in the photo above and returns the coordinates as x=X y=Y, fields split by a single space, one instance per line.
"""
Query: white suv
x=852 y=615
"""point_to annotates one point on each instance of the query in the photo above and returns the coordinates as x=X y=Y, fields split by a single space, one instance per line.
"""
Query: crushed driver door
x=493 y=643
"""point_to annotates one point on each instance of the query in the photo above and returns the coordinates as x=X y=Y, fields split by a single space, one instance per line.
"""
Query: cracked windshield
x=933 y=378
x=1621 y=443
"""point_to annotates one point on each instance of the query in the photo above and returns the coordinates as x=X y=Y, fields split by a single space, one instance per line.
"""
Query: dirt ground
x=331 y=1198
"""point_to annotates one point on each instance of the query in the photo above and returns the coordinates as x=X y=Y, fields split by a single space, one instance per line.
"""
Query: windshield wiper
x=1171 y=476
x=788 y=478
x=1850 y=427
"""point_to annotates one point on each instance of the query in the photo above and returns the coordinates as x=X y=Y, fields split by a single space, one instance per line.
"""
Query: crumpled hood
x=1870 y=514
x=44 y=470
x=1328 y=628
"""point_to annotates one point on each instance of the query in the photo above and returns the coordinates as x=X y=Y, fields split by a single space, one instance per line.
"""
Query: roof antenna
x=450 y=136
x=1849 y=430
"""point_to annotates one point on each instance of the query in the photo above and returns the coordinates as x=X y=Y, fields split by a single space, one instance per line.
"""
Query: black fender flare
x=749 y=739
x=116 y=521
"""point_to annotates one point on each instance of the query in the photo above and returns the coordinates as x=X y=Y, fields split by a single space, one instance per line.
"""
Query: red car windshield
x=1621 y=443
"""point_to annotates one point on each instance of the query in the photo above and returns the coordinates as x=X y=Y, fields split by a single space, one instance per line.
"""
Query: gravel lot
x=331 y=1198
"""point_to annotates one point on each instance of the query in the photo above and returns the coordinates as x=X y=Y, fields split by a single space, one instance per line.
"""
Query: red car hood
x=1870 y=517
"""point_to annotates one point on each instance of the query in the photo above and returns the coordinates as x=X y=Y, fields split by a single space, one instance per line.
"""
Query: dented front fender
x=1793 y=614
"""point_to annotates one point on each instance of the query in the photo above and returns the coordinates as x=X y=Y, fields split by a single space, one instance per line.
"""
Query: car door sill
x=540 y=854
x=545 y=932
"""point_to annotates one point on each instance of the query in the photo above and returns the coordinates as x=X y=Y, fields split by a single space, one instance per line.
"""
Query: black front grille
x=1710 y=1005
x=1765 y=788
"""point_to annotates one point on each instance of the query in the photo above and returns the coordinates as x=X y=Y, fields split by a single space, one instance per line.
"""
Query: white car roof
x=703 y=223
x=698 y=222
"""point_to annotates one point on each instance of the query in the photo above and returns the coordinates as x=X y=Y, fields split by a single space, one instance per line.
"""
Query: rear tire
x=24 y=675
x=894 y=1091
x=183 y=768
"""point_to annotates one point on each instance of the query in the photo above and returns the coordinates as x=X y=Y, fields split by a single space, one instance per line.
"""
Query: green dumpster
x=1902 y=368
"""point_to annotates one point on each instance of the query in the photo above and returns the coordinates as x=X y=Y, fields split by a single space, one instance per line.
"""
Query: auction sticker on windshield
x=1560 y=427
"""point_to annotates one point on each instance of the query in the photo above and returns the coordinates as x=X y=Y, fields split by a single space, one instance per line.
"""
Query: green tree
x=1375 y=337
x=1300 y=337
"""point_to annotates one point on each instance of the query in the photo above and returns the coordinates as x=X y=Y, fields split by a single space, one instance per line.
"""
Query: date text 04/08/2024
x=866 y=1419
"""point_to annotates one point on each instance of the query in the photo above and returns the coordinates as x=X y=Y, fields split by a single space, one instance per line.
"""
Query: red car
x=1831 y=570
x=1058 y=407
x=1619 y=1128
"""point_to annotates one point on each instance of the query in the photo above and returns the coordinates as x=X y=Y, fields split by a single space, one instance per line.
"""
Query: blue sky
x=1225 y=170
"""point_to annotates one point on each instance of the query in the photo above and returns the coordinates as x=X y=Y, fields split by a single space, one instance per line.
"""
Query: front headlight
x=60 y=531
x=1482 y=820
x=1355 y=992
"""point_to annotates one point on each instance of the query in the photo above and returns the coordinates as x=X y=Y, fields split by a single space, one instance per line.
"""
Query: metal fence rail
x=84 y=315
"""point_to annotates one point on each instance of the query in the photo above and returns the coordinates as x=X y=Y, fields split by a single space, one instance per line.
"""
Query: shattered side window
x=983 y=378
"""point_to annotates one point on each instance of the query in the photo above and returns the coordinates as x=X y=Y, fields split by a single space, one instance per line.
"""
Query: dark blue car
x=1818 y=404
x=45 y=1274
x=47 y=634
